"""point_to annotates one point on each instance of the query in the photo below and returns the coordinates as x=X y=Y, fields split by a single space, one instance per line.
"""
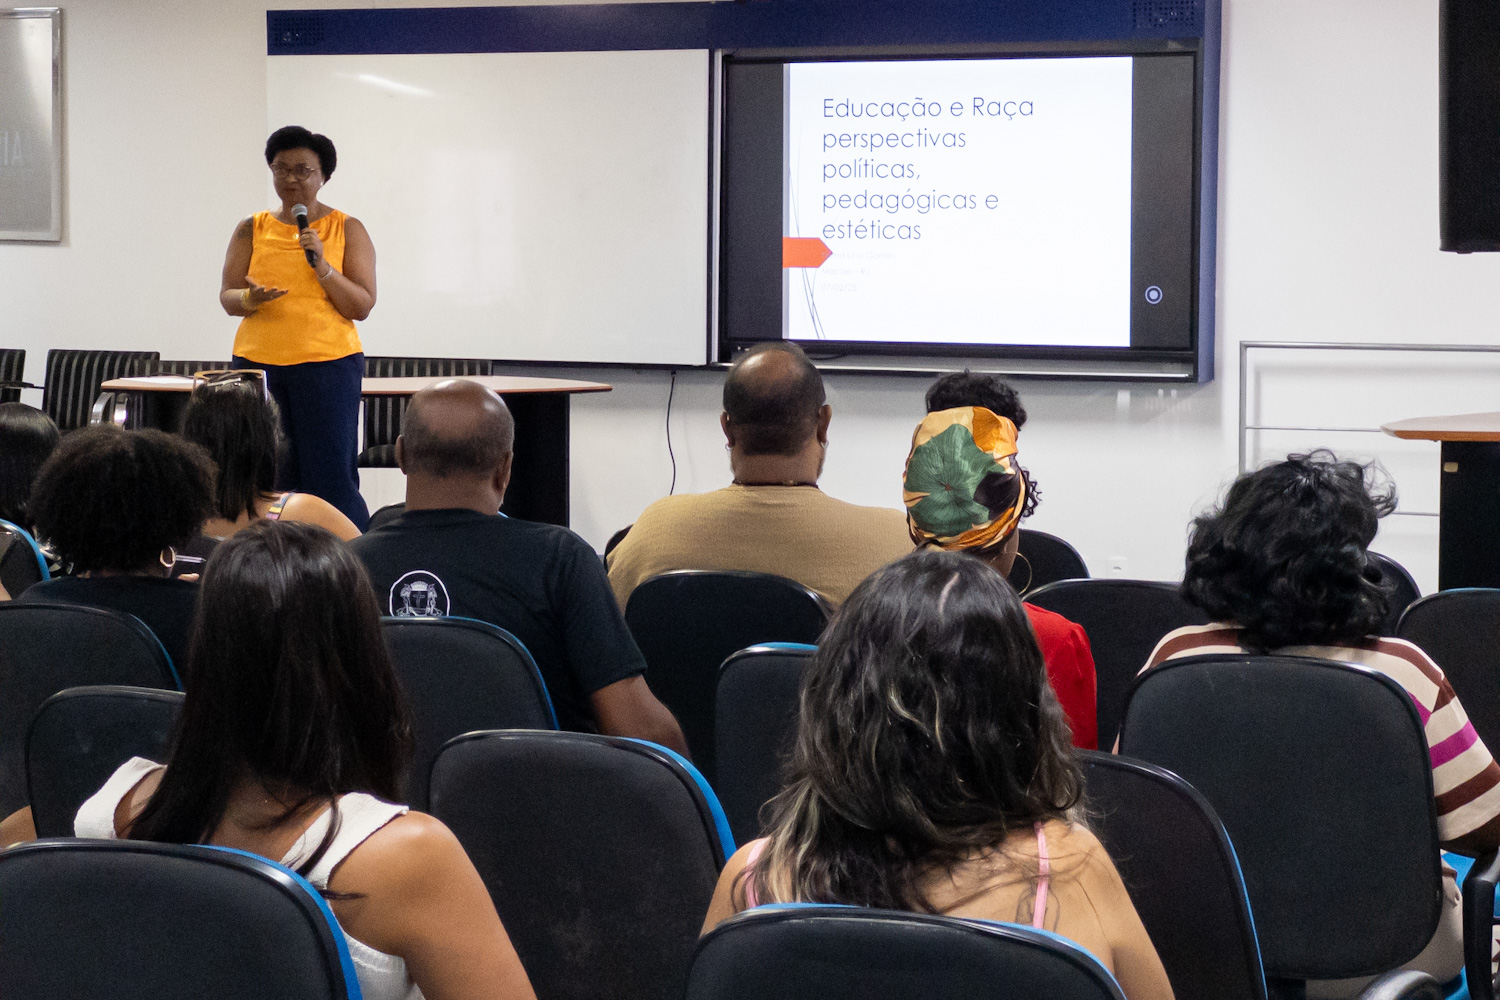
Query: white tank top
x=381 y=976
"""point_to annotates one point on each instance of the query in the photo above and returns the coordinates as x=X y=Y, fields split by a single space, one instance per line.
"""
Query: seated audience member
x=451 y=553
x=1282 y=566
x=239 y=426
x=965 y=492
x=773 y=518
x=116 y=506
x=291 y=745
x=27 y=437
x=931 y=772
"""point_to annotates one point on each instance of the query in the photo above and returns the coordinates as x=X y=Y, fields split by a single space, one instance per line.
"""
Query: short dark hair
x=240 y=428
x=928 y=733
x=297 y=137
x=773 y=416
x=288 y=681
x=110 y=499
x=429 y=448
x=968 y=388
x=1285 y=556
x=27 y=437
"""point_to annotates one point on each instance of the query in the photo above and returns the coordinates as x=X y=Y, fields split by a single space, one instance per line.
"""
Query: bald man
x=773 y=518
x=450 y=553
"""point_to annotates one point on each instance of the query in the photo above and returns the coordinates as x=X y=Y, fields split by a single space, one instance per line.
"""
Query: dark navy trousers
x=319 y=403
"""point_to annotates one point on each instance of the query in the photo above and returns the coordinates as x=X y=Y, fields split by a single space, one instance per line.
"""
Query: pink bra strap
x=756 y=850
x=1044 y=873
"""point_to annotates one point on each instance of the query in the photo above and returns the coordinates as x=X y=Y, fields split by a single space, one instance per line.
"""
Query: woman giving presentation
x=300 y=291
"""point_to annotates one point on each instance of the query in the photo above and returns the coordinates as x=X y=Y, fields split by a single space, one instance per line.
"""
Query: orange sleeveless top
x=302 y=325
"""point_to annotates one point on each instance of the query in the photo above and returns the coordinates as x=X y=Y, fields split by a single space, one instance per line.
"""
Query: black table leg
x=539 y=478
x=1469 y=523
x=161 y=411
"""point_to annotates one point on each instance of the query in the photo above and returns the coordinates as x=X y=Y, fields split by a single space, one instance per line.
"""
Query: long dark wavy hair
x=241 y=430
x=929 y=733
x=1286 y=555
x=288 y=683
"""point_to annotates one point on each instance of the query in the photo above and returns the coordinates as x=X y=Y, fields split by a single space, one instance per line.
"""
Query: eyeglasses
x=301 y=173
x=221 y=378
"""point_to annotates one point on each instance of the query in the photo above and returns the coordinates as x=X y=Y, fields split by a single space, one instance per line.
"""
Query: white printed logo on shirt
x=419 y=594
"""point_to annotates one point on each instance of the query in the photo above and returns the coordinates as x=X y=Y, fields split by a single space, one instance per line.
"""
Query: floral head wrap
x=963 y=488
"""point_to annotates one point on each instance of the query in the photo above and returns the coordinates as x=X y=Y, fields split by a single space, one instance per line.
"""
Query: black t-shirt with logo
x=540 y=582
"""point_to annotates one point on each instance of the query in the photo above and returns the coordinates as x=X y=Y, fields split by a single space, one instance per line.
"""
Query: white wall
x=1328 y=221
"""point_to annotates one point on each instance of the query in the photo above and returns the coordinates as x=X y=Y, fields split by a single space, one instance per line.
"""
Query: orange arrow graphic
x=803 y=251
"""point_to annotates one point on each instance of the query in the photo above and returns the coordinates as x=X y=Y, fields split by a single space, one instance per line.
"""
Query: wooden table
x=539 y=478
x=1469 y=503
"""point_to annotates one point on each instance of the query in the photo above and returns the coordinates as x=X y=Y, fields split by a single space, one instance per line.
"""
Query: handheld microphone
x=299 y=212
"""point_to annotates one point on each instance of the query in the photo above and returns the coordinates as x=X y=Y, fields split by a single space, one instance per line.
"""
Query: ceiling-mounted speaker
x=1469 y=125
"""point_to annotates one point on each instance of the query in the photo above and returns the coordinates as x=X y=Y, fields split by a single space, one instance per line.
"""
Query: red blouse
x=1070 y=667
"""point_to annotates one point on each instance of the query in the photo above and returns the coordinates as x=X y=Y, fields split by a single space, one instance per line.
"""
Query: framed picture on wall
x=31 y=124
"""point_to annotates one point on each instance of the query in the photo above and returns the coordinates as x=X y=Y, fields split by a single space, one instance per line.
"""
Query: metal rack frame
x=1246 y=346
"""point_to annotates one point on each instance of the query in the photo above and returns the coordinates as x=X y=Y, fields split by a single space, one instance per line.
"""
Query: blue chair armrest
x=1479 y=921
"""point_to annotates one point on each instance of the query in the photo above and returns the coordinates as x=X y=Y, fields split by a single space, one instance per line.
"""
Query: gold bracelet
x=245 y=300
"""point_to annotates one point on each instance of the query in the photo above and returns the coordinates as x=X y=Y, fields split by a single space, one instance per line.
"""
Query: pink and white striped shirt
x=1465 y=778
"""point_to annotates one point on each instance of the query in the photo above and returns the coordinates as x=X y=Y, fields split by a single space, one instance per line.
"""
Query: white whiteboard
x=539 y=206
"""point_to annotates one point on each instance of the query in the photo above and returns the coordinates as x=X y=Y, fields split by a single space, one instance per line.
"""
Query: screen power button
x=1153 y=295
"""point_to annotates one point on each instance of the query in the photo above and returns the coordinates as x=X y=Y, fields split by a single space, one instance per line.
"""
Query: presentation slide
x=959 y=201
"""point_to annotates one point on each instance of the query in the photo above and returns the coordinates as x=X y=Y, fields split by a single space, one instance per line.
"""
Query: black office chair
x=1124 y=619
x=45 y=648
x=755 y=720
x=1400 y=585
x=74 y=378
x=688 y=622
x=616 y=539
x=383 y=414
x=851 y=953
x=1042 y=559
x=601 y=855
x=1169 y=847
x=22 y=564
x=131 y=920
x=80 y=736
x=386 y=515
x=458 y=676
x=1321 y=773
x=12 y=373
x=1460 y=630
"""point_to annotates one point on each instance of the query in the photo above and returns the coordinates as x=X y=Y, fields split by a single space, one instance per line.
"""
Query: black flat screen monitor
x=1040 y=206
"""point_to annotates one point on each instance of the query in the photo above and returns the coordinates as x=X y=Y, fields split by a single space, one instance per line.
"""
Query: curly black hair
x=968 y=388
x=1285 y=556
x=109 y=499
x=297 y=137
